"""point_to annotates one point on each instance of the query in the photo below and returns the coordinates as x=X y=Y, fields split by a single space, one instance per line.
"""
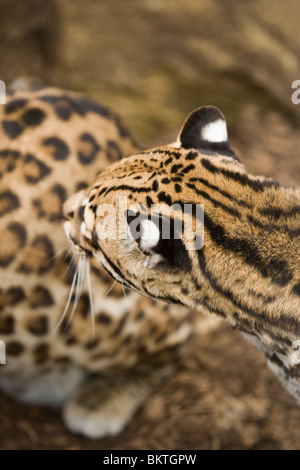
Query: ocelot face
x=142 y=217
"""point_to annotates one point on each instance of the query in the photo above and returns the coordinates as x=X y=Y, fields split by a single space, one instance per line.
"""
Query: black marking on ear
x=205 y=130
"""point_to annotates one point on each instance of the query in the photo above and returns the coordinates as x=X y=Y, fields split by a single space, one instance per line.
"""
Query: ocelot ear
x=159 y=240
x=205 y=129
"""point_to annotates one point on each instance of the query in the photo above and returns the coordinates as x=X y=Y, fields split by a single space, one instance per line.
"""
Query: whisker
x=98 y=257
x=81 y=263
x=125 y=294
x=60 y=252
x=88 y=277
x=68 y=302
x=73 y=261
x=67 y=254
x=111 y=287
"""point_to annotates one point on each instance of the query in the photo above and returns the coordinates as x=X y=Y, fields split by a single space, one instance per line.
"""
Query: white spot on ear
x=149 y=235
x=215 y=131
x=85 y=201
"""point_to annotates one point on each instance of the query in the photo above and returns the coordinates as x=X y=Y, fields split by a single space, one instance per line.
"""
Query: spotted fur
x=52 y=143
x=247 y=271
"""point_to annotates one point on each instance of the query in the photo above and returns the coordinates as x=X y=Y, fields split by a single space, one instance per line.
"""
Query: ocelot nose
x=73 y=204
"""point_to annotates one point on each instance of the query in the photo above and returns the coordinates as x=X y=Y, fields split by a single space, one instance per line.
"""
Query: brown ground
x=223 y=396
x=154 y=61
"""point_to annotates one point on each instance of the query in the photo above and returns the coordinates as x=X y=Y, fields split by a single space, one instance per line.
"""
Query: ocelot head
x=183 y=222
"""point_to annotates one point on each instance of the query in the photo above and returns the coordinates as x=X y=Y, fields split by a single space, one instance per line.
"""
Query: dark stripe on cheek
x=229 y=196
x=240 y=178
x=285 y=322
x=216 y=203
x=275 y=268
x=115 y=269
x=166 y=298
x=133 y=189
x=294 y=372
x=277 y=212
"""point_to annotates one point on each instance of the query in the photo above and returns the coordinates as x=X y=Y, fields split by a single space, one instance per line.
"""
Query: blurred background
x=154 y=61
